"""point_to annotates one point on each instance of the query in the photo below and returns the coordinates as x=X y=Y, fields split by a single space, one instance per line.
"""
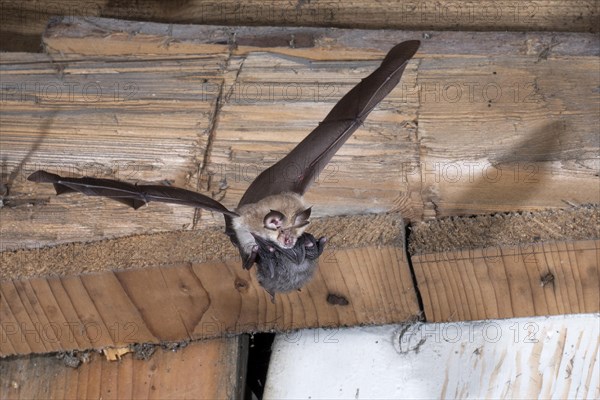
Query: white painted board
x=543 y=357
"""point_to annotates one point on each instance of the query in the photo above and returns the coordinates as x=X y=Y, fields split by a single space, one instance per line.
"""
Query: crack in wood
x=212 y=129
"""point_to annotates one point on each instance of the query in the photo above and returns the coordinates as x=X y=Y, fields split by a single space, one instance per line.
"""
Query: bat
x=268 y=226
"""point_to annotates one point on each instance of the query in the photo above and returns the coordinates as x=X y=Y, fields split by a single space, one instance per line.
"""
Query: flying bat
x=268 y=226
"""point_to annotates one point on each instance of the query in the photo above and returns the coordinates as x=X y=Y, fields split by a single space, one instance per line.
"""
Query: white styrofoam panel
x=542 y=357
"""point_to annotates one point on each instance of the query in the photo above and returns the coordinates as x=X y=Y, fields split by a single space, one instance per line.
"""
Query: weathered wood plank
x=131 y=121
x=206 y=300
x=211 y=369
x=68 y=38
x=544 y=278
x=24 y=22
x=508 y=133
x=421 y=152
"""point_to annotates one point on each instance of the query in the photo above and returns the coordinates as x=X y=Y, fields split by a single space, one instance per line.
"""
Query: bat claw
x=249 y=262
x=321 y=244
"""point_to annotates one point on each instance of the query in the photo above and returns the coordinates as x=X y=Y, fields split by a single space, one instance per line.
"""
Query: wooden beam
x=530 y=279
x=24 y=22
x=66 y=38
x=508 y=265
x=507 y=143
x=212 y=369
x=193 y=301
x=130 y=122
x=422 y=152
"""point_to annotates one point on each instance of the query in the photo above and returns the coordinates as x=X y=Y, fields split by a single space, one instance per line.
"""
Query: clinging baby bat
x=268 y=226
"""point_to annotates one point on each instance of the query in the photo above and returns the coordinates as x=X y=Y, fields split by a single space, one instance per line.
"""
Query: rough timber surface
x=508 y=265
x=370 y=285
x=505 y=266
x=168 y=248
x=24 y=22
x=463 y=233
x=134 y=121
x=211 y=369
x=483 y=122
x=529 y=279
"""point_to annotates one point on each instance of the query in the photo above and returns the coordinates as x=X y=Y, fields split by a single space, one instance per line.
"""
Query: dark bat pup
x=269 y=222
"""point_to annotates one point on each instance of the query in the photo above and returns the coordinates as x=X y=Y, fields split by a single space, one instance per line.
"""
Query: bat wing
x=132 y=195
x=297 y=170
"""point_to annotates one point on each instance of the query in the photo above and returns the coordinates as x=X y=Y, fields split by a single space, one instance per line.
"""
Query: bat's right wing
x=132 y=195
x=296 y=171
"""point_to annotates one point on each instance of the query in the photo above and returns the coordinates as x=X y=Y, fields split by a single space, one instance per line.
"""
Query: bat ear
x=273 y=220
x=301 y=219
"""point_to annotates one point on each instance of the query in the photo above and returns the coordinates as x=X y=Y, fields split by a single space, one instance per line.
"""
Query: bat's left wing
x=134 y=196
x=296 y=171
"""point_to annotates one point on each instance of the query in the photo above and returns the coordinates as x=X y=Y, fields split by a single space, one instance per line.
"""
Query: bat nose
x=287 y=239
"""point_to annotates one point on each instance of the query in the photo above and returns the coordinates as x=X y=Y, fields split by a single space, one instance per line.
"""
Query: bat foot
x=249 y=262
x=321 y=244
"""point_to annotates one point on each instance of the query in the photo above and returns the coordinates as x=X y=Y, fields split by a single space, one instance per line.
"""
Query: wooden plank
x=223 y=170
x=534 y=357
x=193 y=301
x=417 y=160
x=494 y=135
x=125 y=120
x=211 y=369
x=67 y=38
x=543 y=278
x=24 y=22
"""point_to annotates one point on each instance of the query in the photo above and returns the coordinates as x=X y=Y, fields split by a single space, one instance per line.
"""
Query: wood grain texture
x=514 y=133
x=202 y=370
x=66 y=38
x=532 y=279
x=24 y=22
x=132 y=121
x=434 y=147
x=195 y=301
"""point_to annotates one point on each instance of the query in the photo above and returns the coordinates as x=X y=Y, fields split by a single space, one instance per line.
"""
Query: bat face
x=279 y=219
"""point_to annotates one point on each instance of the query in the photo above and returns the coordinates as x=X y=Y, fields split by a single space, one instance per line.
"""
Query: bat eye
x=274 y=220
